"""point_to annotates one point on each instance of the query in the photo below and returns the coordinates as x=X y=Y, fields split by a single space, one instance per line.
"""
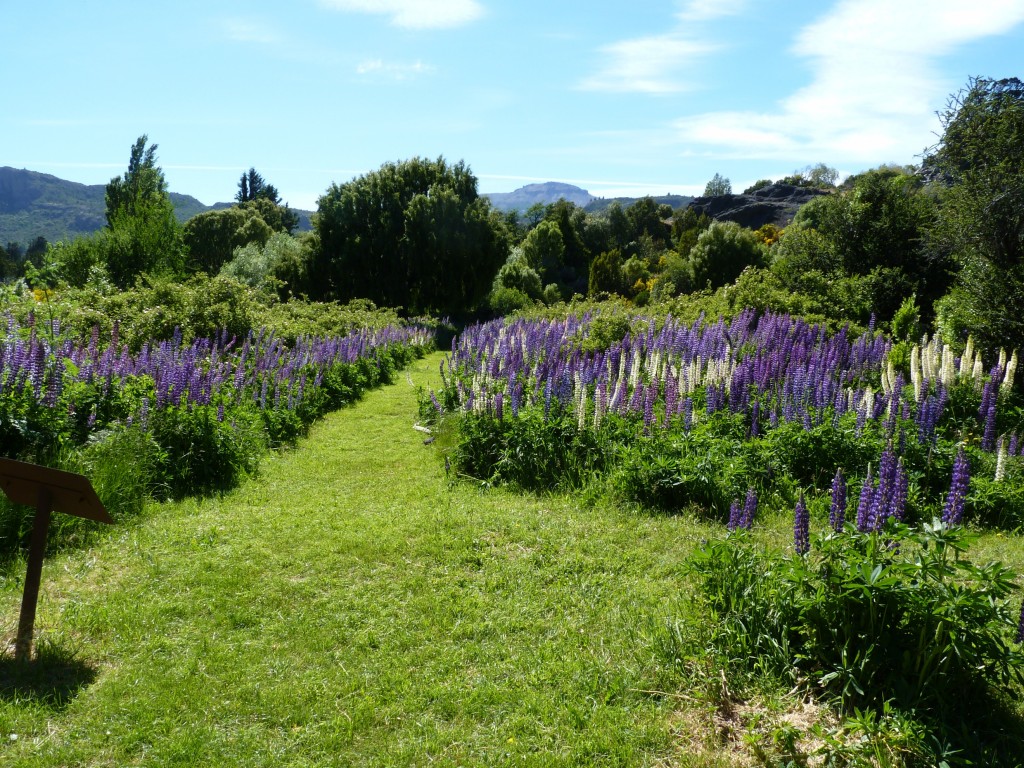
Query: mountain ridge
x=34 y=204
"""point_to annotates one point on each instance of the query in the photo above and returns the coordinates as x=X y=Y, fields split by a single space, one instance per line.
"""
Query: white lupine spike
x=915 y=372
x=1002 y=358
x=634 y=371
x=1001 y=460
x=968 y=359
x=869 y=401
x=947 y=363
x=978 y=372
x=1011 y=370
x=948 y=368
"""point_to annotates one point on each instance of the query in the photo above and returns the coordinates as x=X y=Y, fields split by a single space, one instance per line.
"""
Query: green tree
x=646 y=218
x=256 y=264
x=255 y=193
x=979 y=166
x=719 y=185
x=620 y=227
x=8 y=267
x=142 y=233
x=544 y=249
x=722 y=251
x=880 y=223
x=212 y=237
x=414 y=234
x=686 y=228
x=606 y=274
x=759 y=184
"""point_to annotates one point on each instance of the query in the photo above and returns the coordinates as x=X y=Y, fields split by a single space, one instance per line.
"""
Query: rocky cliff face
x=775 y=204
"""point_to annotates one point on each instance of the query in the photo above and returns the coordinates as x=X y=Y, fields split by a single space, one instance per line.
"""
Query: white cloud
x=655 y=64
x=392 y=69
x=250 y=31
x=703 y=10
x=646 y=64
x=415 y=14
x=875 y=87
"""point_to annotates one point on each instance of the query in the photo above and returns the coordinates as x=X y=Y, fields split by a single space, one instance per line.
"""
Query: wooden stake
x=26 y=624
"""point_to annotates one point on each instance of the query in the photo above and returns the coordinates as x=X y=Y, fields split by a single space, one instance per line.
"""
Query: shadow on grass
x=987 y=728
x=52 y=678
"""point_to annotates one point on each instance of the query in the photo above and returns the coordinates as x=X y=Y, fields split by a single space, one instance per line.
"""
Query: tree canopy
x=414 y=234
x=979 y=166
x=143 y=234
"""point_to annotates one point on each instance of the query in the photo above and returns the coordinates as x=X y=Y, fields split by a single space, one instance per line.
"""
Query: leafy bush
x=722 y=252
x=900 y=618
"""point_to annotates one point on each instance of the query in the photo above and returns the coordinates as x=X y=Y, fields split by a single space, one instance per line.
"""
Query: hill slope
x=34 y=204
x=545 y=194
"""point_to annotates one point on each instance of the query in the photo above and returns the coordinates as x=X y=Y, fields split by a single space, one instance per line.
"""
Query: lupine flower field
x=877 y=453
x=203 y=411
x=676 y=415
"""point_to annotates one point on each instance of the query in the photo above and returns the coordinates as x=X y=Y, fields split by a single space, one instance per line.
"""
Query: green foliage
x=257 y=265
x=718 y=185
x=211 y=238
x=686 y=228
x=980 y=164
x=413 y=234
x=759 y=184
x=906 y=323
x=900 y=617
x=880 y=222
x=204 y=453
x=506 y=301
x=606 y=274
x=143 y=235
x=722 y=252
x=544 y=249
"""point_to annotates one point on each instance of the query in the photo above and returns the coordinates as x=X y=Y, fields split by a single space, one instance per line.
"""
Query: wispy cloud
x=657 y=64
x=646 y=65
x=250 y=31
x=875 y=86
x=415 y=14
x=393 y=69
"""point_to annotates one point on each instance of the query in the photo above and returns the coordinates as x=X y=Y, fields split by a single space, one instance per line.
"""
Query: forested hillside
x=34 y=205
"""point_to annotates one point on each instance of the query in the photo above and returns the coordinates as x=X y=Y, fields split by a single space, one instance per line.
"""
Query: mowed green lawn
x=350 y=606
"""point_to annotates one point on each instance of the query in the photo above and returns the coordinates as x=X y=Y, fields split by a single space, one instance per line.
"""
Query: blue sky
x=644 y=97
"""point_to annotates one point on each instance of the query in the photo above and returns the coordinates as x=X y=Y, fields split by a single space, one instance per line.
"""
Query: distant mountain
x=545 y=194
x=553 y=191
x=34 y=204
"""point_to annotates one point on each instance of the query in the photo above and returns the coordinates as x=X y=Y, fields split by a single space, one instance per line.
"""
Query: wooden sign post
x=47 y=490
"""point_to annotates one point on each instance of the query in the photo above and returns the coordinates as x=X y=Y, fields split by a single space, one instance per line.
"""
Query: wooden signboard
x=47 y=490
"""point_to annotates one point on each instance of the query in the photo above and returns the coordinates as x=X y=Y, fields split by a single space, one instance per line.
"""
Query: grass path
x=349 y=607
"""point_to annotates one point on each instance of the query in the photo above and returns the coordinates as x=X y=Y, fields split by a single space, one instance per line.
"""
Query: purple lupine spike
x=735 y=515
x=898 y=501
x=1014 y=445
x=837 y=512
x=867 y=492
x=801 y=527
x=499 y=406
x=749 y=509
x=988 y=440
x=953 y=511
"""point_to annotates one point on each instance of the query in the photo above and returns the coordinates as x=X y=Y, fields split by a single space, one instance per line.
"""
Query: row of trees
x=418 y=235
